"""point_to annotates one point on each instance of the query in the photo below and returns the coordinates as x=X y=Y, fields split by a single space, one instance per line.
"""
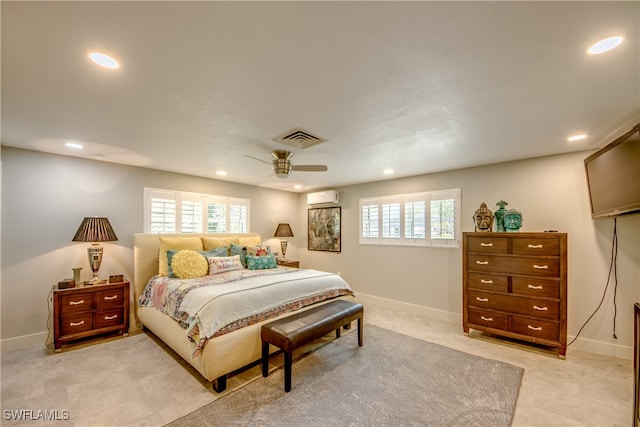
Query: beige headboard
x=146 y=248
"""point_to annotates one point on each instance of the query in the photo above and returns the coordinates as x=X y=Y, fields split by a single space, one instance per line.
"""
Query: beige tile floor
x=134 y=381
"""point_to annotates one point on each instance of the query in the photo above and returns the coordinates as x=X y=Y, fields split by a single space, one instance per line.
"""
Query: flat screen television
x=613 y=177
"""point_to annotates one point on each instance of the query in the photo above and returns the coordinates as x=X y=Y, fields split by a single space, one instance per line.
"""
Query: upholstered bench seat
x=294 y=331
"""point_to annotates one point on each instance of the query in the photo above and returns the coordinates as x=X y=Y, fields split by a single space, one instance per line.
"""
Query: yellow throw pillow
x=249 y=241
x=188 y=264
x=210 y=243
x=175 y=243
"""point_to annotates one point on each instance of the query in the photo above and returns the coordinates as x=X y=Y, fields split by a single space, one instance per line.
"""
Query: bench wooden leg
x=288 y=359
x=219 y=384
x=338 y=333
x=360 y=332
x=265 y=358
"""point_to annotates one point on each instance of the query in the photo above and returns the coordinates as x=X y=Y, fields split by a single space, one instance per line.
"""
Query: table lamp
x=95 y=230
x=283 y=230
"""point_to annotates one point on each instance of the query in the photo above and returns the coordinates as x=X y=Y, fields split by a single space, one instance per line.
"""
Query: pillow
x=221 y=251
x=209 y=243
x=258 y=250
x=187 y=264
x=249 y=240
x=220 y=264
x=175 y=243
x=261 y=262
x=240 y=251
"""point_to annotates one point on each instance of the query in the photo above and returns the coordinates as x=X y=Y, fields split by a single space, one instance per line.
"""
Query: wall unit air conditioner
x=329 y=196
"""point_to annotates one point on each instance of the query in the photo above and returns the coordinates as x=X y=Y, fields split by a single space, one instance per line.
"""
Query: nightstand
x=288 y=263
x=90 y=310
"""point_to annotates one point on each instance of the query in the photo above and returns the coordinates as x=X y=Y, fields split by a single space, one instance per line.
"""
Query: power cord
x=49 y=303
x=612 y=267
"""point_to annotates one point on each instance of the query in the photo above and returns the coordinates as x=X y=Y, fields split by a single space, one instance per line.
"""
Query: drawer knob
x=482 y=299
x=486 y=281
x=540 y=267
x=76 y=302
x=535 y=246
x=534 y=287
x=535 y=307
x=482 y=262
x=115 y=316
x=111 y=298
x=534 y=328
x=76 y=323
x=488 y=245
x=487 y=319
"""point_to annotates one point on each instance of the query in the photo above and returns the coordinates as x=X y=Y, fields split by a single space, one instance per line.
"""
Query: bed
x=215 y=355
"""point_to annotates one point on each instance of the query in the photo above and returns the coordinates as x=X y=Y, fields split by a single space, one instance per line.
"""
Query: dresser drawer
x=76 y=302
x=535 y=328
x=514 y=265
x=536 y=287
x=540 y=308
x=488 y=319
x=532 y=246
x=107 y=318
x=489 y=300
x=497 y=245
x=75 y=323
x=489 y=282
x=111 y=298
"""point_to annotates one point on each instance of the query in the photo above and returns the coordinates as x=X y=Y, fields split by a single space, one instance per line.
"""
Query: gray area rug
x=393 y=380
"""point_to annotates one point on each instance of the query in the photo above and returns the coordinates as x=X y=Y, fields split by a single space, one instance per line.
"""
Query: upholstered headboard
x=146 y=248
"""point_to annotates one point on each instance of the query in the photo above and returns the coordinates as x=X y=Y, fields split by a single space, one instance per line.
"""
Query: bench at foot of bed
x=294 y=331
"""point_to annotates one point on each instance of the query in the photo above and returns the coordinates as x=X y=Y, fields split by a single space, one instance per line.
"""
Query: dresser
x=515 y=285
x=88 y=311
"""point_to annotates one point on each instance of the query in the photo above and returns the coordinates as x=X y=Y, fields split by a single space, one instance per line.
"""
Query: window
x=419 y=219
x=167 y=211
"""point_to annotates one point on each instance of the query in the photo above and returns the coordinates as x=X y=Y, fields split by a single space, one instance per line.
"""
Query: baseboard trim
x=581 y=344
x=24 y=341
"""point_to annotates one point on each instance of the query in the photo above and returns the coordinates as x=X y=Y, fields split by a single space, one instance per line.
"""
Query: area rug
x=393 y=380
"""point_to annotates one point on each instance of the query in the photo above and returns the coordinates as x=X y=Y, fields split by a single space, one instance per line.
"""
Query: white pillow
x=220 y=264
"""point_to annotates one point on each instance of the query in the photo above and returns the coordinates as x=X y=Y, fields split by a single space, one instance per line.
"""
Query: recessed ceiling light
x=578 y=137
x=74 y=145
x=103 y=60
x=297 y=186
x=221 y=173
x=605 y=45
x=387 y=171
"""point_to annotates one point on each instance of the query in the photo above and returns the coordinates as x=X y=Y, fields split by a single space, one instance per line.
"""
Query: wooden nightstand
x=90 y=310
x=288 y=263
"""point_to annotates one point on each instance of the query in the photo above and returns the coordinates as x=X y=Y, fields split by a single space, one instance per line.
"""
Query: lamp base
x=95 y=259
x=283 y=248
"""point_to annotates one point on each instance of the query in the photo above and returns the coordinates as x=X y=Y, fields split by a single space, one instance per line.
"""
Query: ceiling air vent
x=299 y=138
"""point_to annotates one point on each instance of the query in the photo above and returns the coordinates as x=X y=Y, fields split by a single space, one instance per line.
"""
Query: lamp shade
x=283 y=230
x=94 y=229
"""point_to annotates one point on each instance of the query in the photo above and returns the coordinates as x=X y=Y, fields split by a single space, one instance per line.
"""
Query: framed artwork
x=324 y=229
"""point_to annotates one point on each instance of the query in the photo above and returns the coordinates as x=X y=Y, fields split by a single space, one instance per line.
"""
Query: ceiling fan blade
x=255 y=158
x=309 y=168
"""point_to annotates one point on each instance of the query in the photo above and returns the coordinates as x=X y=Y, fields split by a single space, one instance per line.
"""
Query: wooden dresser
x=515 y=285
x=87 y=311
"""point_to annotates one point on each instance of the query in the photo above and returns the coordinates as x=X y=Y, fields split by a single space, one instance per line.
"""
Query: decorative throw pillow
x=209 y=243
x=261 y=262
x=221 y=251
x=224 y=263
x=188 y=264
x=258 y=250
x=240 y=251
x=176 y=244
x=249 y=240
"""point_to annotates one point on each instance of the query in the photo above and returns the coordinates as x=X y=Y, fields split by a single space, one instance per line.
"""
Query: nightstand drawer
x=80 y=301
x=110 y=299
x=76 y=323
x=104 y=319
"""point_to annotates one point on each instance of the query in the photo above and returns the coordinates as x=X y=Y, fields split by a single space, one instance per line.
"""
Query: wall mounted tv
x=613 y=177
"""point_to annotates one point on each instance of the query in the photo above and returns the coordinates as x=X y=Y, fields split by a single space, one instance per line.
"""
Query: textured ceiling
x=417 y=87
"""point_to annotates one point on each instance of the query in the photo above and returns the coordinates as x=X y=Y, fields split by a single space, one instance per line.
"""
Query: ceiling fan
x=282 y=165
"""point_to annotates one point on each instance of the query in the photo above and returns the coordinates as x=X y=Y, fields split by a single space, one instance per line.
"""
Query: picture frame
x=324 y=231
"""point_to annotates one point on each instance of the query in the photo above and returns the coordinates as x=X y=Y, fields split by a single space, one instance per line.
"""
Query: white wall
x=551 y=193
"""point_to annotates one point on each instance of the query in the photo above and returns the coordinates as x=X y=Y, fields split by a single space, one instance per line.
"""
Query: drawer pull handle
x=77 y=323
x=486 y=281
x=487 y=319
x=535 y=328
x=111 y=298
x=482 y=262
x=482 y=299
x=541 y=267
x=534 y=287
x=115 y=316
x=488 y=245
x=76 y=302
x=535 y=246
x=535 y=307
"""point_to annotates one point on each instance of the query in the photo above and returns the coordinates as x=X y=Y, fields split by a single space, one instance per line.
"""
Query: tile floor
x=134 y=381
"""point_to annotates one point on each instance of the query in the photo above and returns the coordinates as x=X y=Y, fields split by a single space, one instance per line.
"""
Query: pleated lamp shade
x=94 y=229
